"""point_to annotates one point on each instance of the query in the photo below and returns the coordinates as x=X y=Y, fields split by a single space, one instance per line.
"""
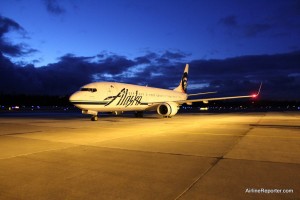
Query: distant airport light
x=203 y=108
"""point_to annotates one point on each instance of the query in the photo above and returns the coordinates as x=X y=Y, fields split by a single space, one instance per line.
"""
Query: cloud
x=281 y=19
x=71 y=72
x=146 y=59
x=241 y=74
x=174 y=55
x=279 y=73
x=253 y=30
x=63 y=77
x=7 y=25
x=53 y=7
x=6 y=47
x=15 y=50
x=233 y=27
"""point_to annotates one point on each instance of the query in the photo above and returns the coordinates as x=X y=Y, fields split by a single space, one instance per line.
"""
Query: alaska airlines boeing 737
x=119 y=97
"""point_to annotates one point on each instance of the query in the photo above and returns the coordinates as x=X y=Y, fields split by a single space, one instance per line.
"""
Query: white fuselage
x=111 y=97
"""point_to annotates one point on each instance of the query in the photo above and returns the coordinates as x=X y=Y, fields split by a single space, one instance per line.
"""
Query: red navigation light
x=254 y=95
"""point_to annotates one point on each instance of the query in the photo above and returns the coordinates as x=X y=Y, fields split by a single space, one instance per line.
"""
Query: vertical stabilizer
x=182 y=87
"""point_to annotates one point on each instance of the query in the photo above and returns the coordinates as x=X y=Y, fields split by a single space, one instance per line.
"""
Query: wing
x=202 y=93
x=206 y=100
x=153 y=105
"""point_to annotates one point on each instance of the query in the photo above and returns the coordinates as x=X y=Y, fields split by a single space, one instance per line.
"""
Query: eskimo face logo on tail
x=125 y=99
x=184 y=80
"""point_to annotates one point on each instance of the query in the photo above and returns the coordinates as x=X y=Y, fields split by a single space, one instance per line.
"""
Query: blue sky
x=201 y=29
x=120 y=39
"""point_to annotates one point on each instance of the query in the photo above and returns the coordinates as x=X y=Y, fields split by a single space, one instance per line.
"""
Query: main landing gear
x=94 y=118
x=139 y=114
x=91 y=112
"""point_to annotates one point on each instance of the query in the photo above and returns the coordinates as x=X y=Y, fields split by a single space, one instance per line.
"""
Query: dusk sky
x=55 y=46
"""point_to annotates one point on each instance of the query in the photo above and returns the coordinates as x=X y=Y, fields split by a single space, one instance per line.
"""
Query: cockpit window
x=89 y=89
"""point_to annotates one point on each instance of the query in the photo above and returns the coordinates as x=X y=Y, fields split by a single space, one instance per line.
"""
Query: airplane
x=120 y=97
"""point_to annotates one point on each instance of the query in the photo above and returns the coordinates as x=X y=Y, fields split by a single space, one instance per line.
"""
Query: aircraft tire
x=139 y=114
x=94 y=118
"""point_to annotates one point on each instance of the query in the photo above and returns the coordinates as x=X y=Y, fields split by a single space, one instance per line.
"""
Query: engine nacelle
x=168 y=109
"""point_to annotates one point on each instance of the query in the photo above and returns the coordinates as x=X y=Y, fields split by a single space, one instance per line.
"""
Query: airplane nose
x=74 y=97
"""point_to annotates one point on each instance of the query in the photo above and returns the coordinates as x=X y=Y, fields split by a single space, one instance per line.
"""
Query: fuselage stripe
x=89 y=102
x=97 y=102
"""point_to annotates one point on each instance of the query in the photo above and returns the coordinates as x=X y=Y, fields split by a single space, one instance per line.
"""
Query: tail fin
x=182 y=87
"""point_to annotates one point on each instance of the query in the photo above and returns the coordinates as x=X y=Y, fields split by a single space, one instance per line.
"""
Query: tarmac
x=189 y=156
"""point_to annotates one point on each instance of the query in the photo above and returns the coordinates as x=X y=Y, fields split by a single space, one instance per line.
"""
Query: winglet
x=258 y=92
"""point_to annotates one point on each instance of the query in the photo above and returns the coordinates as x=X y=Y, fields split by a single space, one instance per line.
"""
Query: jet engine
x=89 y=112
x=167 y=109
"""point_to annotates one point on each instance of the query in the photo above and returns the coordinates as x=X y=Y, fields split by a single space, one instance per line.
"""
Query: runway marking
x=264 y=161
x=240 y=135
x=21 y=133
x=266 y=136
x=223 y=134
x=275 y=126
x=194 y=182
x=189 y=155
x=243 y=135
x=27 y=154
x=158 y=152
x=71 y=145
x=218 y=160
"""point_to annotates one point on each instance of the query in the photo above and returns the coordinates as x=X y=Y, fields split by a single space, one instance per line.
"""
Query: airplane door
x=111 y=93
x=111 y=90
